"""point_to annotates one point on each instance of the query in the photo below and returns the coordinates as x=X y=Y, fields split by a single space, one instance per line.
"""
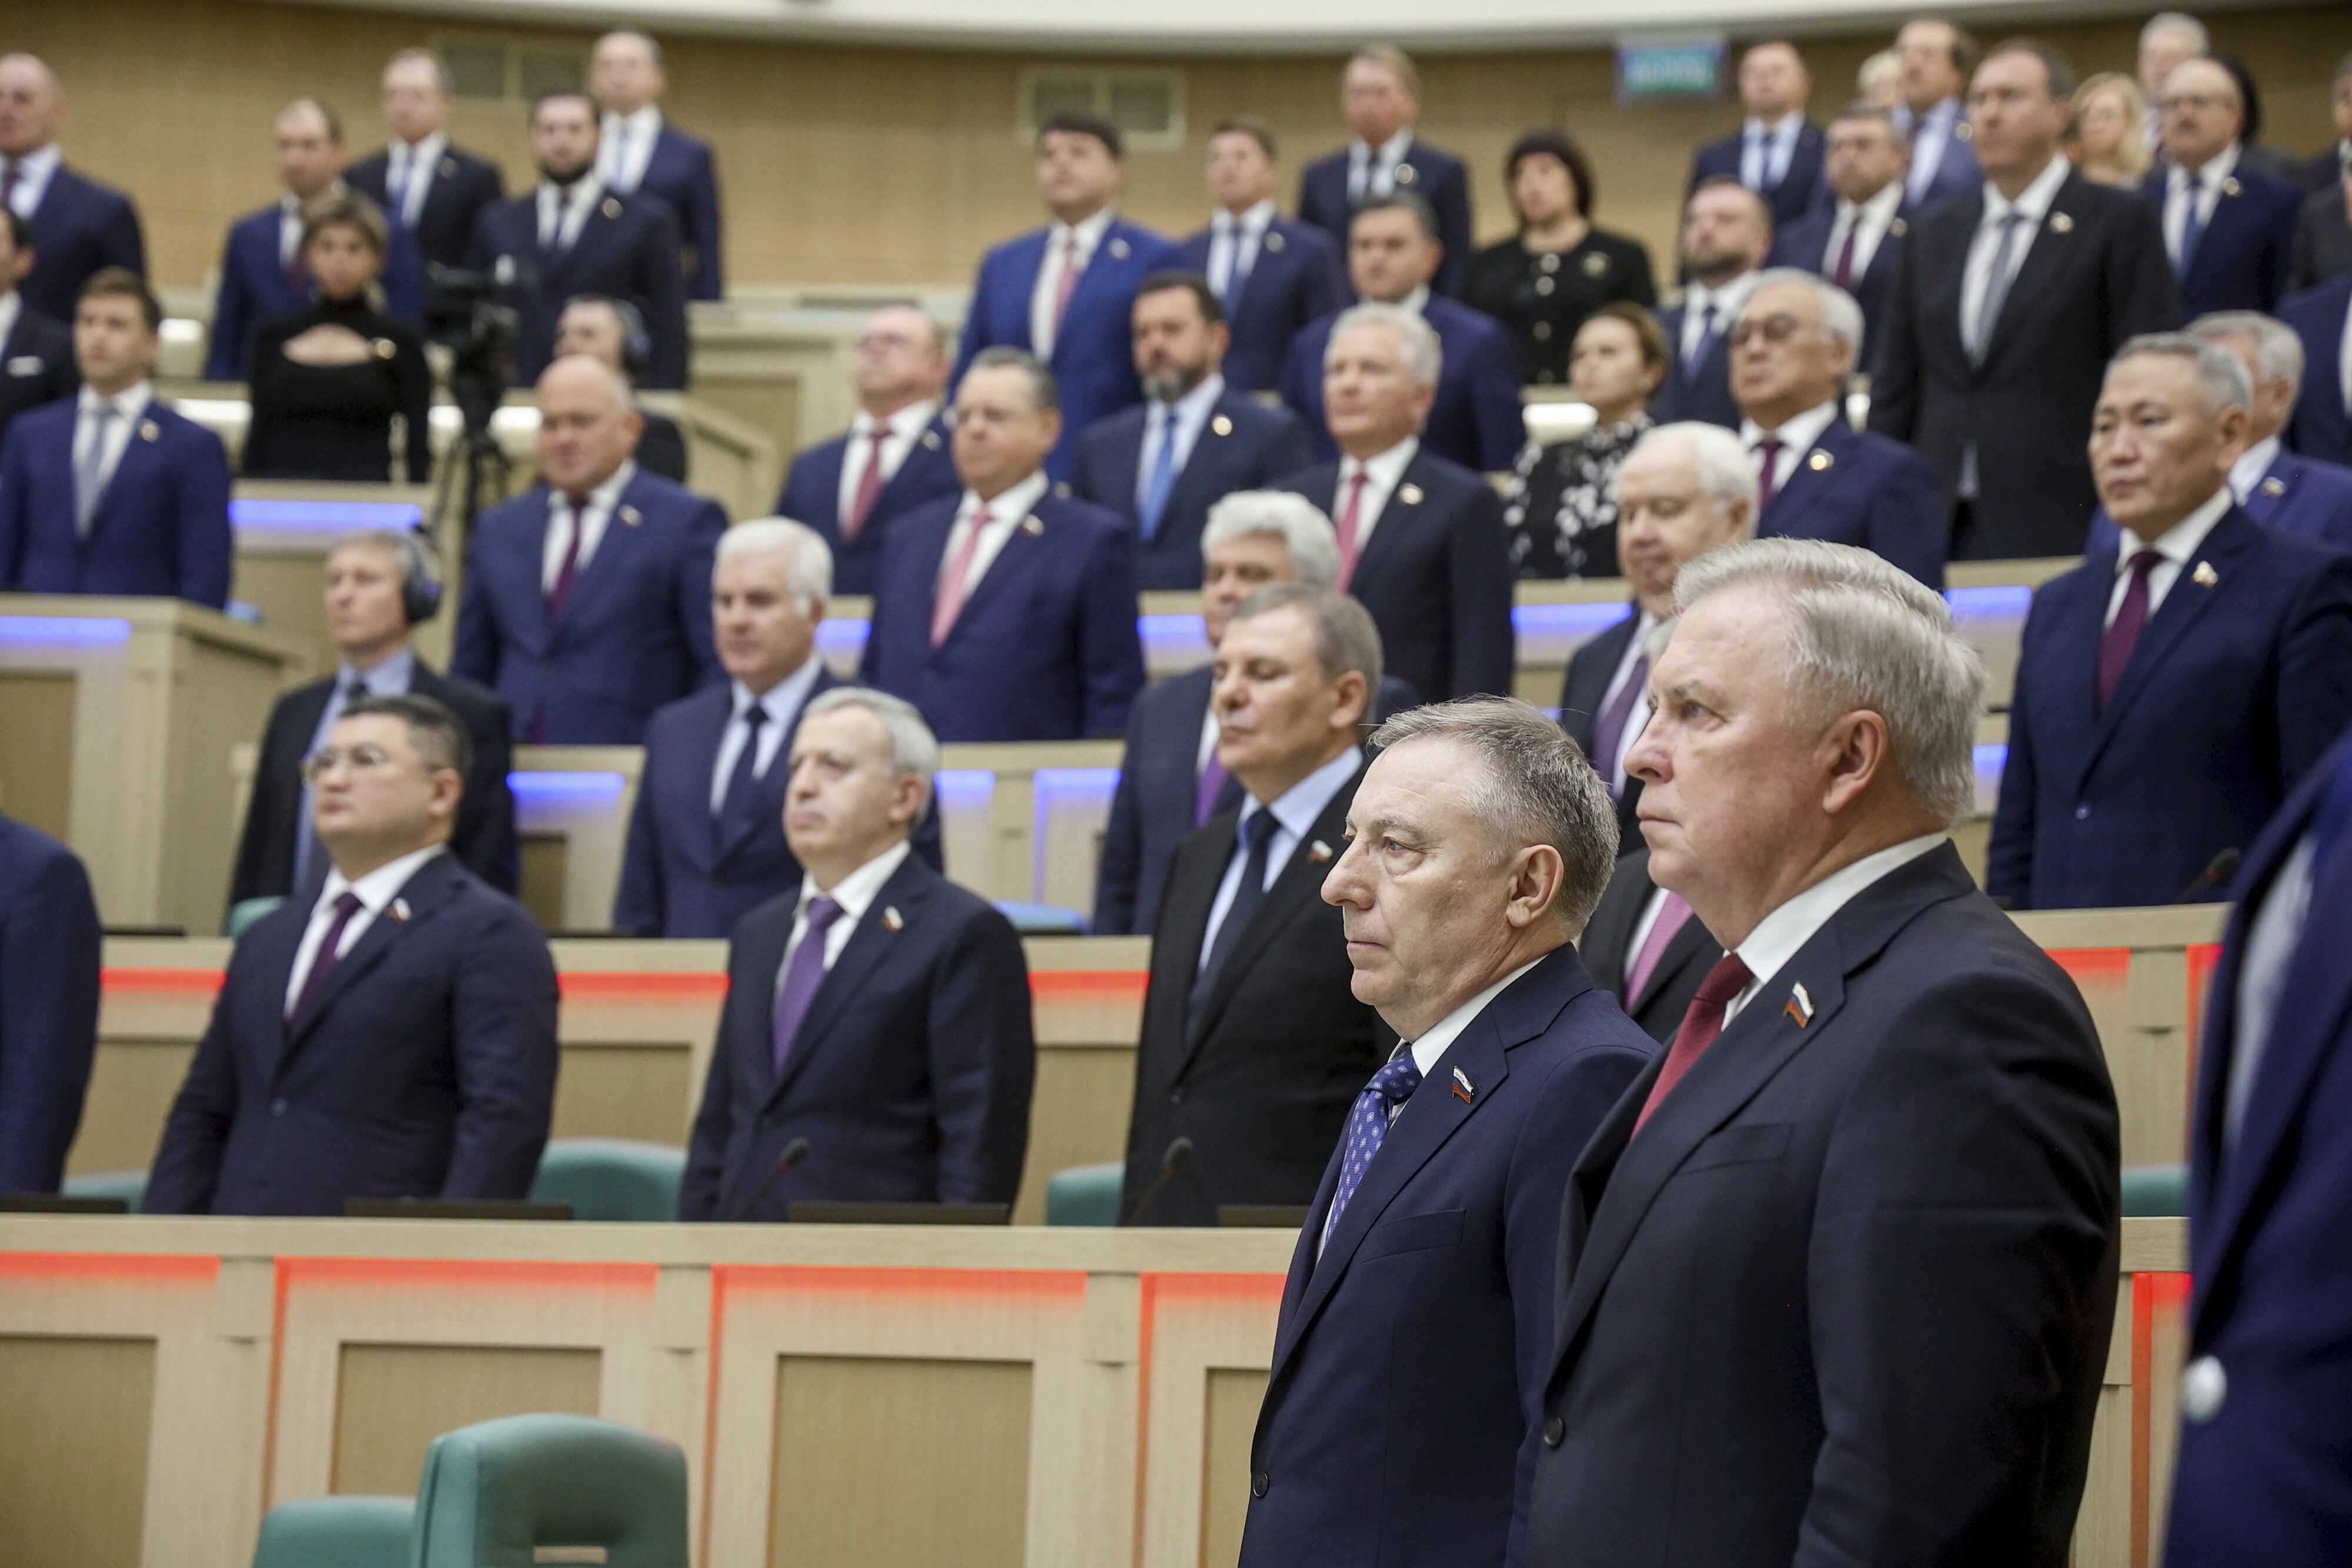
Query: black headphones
x=420 y=577
x=636 y=343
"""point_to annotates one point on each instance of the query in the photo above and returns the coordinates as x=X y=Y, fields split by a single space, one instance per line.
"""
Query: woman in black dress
x=328 y=379
x=1560 y=515
x=1559 y=268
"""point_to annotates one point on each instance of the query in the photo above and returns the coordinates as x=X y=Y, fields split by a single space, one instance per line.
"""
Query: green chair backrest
x=244 y=913
x=494 y=1491
x=130 y=1186
x=610 y=1178
x=2155 y=1191
x=1085 y=1194
x=337 y=1532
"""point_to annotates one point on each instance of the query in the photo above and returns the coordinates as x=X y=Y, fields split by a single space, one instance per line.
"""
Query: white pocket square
x=26 y=365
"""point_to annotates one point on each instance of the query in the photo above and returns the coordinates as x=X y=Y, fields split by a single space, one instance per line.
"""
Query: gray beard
x=1169 y=386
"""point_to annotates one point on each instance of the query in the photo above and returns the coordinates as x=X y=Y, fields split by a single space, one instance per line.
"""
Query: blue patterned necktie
x=1159 y=472
x=1367 y=1125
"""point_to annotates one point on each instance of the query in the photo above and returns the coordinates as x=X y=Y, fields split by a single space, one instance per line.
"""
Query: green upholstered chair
x=337 y=1532
x=1085 y=1194
x=2155 y=1191
x=130 y=1186
x=244 y=913
x=498 y=1493
x=610 y=1178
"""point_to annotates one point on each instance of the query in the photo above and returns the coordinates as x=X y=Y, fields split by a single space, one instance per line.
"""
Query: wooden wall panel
x=1233 y=1398
x=392 y=1400
x=73 y=1450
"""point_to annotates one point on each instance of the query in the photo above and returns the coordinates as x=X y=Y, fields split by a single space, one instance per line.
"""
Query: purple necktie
x=323 y=962
x=1768 y=455
x=569 y=571
x=1212 y=785
x=1610 y=729
x=802 y=975
x=1844 y=275
x=2131 y=618
x=1671 y=914
x=1705 y=344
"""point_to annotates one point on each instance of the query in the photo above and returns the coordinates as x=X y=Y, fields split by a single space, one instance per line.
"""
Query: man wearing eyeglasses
x=394 y=1039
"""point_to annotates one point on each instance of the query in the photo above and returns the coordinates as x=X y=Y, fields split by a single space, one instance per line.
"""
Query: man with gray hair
x=1794 y=347
x=1841 y=1270
x=1416 y=1323
x=1421 y=538
x=875 y=1045
x=2171 y=690
x=2276 y=487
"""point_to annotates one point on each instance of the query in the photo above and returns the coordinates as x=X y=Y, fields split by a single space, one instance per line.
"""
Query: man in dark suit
x=895 y=457
x=1273 y=274
x=1792 y=349
x=587 y=600
x=2294 y=495
x=1254 y=1047
x=111 y=492
x=1727 y=235
x=1420 y=539
x=49 y=1004
x=2326 y=169
x=2203 y=635
x=395 y=1037
x=2323 y=236
x=2003 y=312
x=380 y=585
x=641 y=153
x=1393 y=253
x=1840 y=1282
x=1936 y=59
x=431 y=191
x=37 y=358
x=262 y=274
x=1008 y=612
x=79 y=226
x=1412 y=1337
x=877 y=1017
x=1193 y=441
x=2227 y=226
x=568 y=236
x=1684 y=489
x=1066 y=293
x=1852 y=239
x=1778 y=152
x=611 y=330
x=2262 y=1480
x=1379 y=95
x=1643 y=948
x=2322 y=319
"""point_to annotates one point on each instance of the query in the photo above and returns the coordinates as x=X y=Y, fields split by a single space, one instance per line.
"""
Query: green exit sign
x=1687 y=67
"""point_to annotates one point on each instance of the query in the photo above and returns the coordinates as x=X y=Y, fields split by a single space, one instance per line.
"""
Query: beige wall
x=847 y=165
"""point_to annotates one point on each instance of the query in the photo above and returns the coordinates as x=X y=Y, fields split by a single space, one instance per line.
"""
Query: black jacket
x=37 y=365
x=462 y=186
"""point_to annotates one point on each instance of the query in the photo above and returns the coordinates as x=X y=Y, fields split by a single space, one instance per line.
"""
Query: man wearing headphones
x=380 y=585
x=610 y=330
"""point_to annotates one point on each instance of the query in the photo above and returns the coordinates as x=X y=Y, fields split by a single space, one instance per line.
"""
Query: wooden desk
x=284 y=530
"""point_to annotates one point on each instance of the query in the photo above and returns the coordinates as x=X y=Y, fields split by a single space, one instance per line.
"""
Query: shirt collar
x=1254 y=219
x=2033 y=204
x=2248 y=471
x=1417 y=302
x=39 y=164
x=1796 y=434
x=1012 y=505
x=645 y=118
x=783 y=699
x=907 y=424
x=129 y=402
x=856 y=892
x=1880 y=207
x=388 y=678
x=584 y=191
x=380 y=886
x=1727 y=300
x=1439 y=1038
x=1384 y=468
x=424 y=154
x=10 y=306
x=1392 y=151
x=2218 y=168
x=1090 y=231
x=1297 y=807
x=605 y=496
x=1786 y=125
x=2179 y=543
x=1780 y=934
x=1194 y=405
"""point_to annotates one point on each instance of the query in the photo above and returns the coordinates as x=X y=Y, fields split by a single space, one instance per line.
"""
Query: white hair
x=810 y=576
x=1305 y=532
x=1424 y=356
x=1863 y=634
x=2165 y=22
x=2221 y=379
x=1716 y=457
x=914 y=751
x=2278 y=352
x=1840 y=316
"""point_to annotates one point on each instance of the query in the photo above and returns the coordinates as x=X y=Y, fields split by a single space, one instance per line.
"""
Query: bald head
x=588 y=424
x=32 y=105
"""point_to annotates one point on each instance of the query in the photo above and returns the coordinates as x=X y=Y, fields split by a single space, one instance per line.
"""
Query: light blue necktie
x=620 y=157
x=2192 y=228
x=1160 y=473
x=89 y=477
x=1237 y=274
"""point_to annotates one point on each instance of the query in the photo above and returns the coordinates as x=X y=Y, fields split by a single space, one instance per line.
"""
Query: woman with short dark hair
x=1558 y=270
x=1559 y=518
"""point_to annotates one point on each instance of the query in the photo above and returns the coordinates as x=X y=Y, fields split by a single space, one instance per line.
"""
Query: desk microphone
x=1178 y=1155
x=794 y=1153
x=2218 y=870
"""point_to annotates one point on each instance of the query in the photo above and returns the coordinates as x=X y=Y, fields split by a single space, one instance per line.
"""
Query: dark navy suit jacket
x=2236 y=686
x=2246 y=254
x=1475 y=422
x=682 y=173
x=1856 y=489
x=1581 y=694
x=462 y=186
x=1243 y=446
x=910 y=1076
x=628 y=248
x=37 y=365
x=254 y=288
x=2264 y=1483
x=1701 y=394
x=162 y=528
x=2322 y=428
x=80 y=227
x=2306 y=497
x=1093 y=354
x=1402 y=1414
x=49 y=1004
x=635 y=635
x=1436 y=576
x=1045 y=646
x=1957 y=173
x=425 y=1068
x=1297 y=276
x=1805 y=243
x=1435 y=176
x=812 y=494
x=1802 y=186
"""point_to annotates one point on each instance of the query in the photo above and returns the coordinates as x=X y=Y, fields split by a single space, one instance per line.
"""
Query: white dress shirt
x=2032 y=204
x=855 y=893
x=1004 y=514
x=1928 y=139
x=33 y=173
x=1233 y=243
x=2203 y=187
x=1371 y=171
x=1796 y=436
x=1382 y=473
x=377 y=892
x=1765 y=150
x=2244 y=473
x=130 y=407
x=781 y=704
x=1612 y=768
x=1295 y=813
x=1189 y=412
x=621 y=159
x=11 y=307
x=2178 y=547
x=408 y=174
x=1042 y=298
x=900 y=432
x=1727 y=300
x=290 y=228
x=1781 y=934
x=591 y=524
x=561 y=213
x=1868 y=223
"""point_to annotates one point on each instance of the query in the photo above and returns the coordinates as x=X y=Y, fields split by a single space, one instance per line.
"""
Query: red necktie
x=1844 y=275
x=1349 y=522
x=559 y=595
x=1768 y=450
x=1069 y=284
x=950 y=604
x=1700 y=1026
x=2131 y=618
x=869 y=486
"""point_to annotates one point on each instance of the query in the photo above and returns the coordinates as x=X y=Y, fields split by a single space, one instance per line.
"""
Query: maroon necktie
x=1844 y=275
x=561 y=594
x=2131 y=619
x=869 y=487
x=1766 y=476
x=1700 y=1026
x=1350 y=519
x=323 y=962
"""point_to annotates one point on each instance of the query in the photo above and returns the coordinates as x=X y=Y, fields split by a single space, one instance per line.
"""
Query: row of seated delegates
x=36 y=354
x=2201 y=634
x=1543 y=281
x=49 y=947
x=380 y=586
x=1272 y=275
x=611 y=330
x=587 y=599
x=110 y=491
x=878 y=1011
x=395 y=1035
x=706 y=841
x=2321 y=319
x=1171 y=776
x=640 y=153
x=1252 y=1046
x=80 y=227
x=1380 y=97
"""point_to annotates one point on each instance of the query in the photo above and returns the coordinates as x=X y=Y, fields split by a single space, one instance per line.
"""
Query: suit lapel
x=1397 y=518
x=424 y=892
x=1125 y=455
x=1686 y=944
x=1812 y=474
x=2276 y=490
x=613 y=563
x=2050 y=253
x=1010 y=565
x=906 y=891
x=138 y=457
x=2193 y=593
x=768 y=789
x=1203 y=464
x=930 y=445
